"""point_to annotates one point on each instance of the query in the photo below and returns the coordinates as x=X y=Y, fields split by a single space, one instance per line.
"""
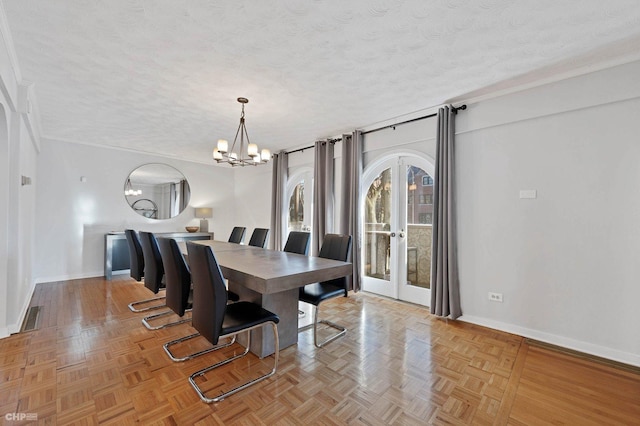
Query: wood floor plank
x=91 y=361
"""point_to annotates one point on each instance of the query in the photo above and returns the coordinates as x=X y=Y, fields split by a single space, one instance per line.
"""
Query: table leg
x=285 y=305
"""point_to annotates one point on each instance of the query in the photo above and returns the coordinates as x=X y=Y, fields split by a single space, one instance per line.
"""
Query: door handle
x=393 y=234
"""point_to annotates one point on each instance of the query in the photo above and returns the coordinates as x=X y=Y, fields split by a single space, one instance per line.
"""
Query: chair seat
x=241 y=315
x=319 y=292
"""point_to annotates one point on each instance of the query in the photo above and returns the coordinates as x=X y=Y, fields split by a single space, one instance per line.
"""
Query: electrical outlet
x=495 y=297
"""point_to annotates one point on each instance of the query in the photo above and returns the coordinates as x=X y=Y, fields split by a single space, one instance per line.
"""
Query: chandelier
x=128 y=189
x=250 y=157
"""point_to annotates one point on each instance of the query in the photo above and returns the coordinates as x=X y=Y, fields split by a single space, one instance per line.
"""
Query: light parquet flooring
x=92 y=362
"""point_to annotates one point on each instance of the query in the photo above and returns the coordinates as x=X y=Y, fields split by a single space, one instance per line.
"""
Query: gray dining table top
x=271 y=271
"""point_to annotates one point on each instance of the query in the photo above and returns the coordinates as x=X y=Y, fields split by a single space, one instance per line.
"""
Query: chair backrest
x=336 y=247
x=259 y=237
x=298 y=242
x=136 y=258
x=209 y=292
x=237 y=235
x=153 y=268
x=176 y=274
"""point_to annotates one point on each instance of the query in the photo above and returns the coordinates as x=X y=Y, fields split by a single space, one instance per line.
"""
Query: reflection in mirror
x=157 y=191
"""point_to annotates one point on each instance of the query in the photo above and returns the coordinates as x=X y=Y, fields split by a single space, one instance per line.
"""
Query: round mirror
x=157 y=191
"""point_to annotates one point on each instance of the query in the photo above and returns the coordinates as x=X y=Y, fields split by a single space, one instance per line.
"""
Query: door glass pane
x=378 y=226
x=419 y=225
x=296 y=208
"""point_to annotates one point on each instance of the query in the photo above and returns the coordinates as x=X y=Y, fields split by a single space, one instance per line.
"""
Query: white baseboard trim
x=565 y=342
x=94 y=274
x=15 y=328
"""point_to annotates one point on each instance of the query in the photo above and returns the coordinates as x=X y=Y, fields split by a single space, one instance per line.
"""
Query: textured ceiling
x=163 y=76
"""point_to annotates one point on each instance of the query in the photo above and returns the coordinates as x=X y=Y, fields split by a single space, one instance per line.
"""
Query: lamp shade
x=217 y=155
x=203 y=212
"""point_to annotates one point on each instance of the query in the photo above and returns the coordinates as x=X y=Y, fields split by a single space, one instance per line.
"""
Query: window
x=427 y=180
x=425 y=218
x=426 y=199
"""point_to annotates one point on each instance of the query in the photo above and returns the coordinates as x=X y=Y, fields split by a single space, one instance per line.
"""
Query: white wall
x=23 y=164
x=566 y=262
x=18 y=150
x=72 y=217
x=252 y=192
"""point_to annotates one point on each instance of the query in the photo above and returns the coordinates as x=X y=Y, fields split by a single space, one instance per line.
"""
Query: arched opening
x=397 y=207
x=300 y=198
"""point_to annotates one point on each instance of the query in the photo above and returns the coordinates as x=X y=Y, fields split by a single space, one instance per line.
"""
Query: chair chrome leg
x=146 y=321
x=173 y=358
x=341 y=330
x=133 y=304
x=245 y=385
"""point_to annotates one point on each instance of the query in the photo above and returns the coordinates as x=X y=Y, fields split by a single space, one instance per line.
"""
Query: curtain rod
x=313 y=146
x=455 y=111
x=393 y=126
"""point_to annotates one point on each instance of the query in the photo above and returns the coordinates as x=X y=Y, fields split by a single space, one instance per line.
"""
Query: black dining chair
x=334 y=247
x=237 y=234
x=297 y=242
x=177 y=284
x=214 y=319
x=153 y=267
x=136 y=260
x=180 y=293
x=259 y=237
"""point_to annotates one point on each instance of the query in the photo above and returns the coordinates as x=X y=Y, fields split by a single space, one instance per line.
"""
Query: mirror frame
x=168 y=185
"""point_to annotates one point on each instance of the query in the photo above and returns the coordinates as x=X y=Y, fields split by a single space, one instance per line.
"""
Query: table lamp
x=203 y=213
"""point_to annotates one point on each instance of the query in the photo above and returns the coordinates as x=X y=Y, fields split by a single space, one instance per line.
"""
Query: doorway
x=397 y=207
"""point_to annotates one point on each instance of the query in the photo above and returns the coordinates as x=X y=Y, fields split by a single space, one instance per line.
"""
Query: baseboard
x=94 y=274
x=565 y=342
x=15 y=328
x=588 y=357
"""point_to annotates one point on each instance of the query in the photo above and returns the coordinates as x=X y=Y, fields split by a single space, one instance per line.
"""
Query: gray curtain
x=322 y=194
x=278 y=201
x=349 y=216
x=445 y=289
x=185 y=195
x=173 y=203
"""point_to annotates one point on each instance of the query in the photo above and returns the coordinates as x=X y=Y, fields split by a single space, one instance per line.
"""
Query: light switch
x=528 y=193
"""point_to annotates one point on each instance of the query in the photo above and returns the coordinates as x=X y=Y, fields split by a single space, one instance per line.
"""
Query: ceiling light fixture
x=128 y=189
x=221 y=152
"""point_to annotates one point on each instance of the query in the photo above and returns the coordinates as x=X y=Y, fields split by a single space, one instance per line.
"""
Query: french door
x=397 y=208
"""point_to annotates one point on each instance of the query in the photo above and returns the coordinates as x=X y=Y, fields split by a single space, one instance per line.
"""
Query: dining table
x=271 y=278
